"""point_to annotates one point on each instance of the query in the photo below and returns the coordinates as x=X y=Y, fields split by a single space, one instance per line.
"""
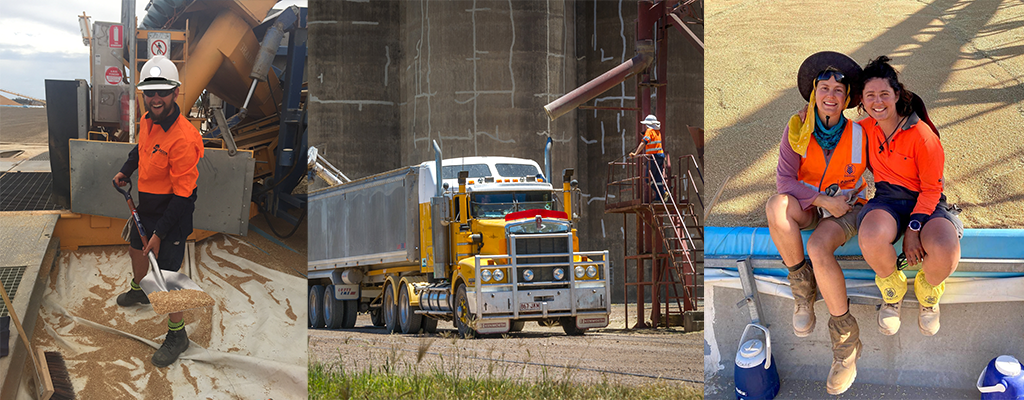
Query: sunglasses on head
x=826 y=75
x=161 y=93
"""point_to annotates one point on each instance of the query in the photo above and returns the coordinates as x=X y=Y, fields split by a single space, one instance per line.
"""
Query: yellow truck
x=476 y=240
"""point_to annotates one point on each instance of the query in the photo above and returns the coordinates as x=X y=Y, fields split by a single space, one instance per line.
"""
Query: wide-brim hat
x=818 y=62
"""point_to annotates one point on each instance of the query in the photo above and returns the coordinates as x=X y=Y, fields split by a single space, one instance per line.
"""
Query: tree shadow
x=735 y=150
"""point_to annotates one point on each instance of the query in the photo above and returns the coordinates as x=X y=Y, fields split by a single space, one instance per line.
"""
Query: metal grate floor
x=26 y=191
x=11 y=278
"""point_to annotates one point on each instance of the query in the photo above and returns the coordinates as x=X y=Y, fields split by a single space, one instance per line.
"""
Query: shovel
x=156 y=280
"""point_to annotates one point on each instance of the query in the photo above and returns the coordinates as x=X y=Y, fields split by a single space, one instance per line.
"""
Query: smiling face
x=160 y=107
x=879 y=100
x=830 y=99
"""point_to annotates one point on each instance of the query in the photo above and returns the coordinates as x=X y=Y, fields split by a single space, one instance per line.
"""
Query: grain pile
x=250 y=346
x=961 y=60
x=179 y=300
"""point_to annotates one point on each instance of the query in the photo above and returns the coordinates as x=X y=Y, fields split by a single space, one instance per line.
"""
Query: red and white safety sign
x=113 y=75
x=116 y=37
x=159 y=43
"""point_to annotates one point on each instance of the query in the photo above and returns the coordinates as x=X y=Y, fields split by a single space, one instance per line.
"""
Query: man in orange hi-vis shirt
x=166 y=156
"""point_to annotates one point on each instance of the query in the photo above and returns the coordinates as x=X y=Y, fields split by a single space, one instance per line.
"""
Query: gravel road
x=612 y=355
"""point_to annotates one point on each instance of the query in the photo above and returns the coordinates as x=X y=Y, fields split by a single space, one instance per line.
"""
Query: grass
x=450 y=381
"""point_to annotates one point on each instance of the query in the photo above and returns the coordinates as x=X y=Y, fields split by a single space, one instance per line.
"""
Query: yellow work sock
x=893 y=287
x=927 y=294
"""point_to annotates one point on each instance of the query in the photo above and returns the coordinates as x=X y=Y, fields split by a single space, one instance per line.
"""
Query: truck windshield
x=497 y=205
x=475 y=171
x=516 y=170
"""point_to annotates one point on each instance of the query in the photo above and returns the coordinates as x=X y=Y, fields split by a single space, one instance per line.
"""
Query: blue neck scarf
x=828 y=138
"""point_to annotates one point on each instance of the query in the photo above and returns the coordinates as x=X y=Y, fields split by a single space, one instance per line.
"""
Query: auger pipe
x=615 y=76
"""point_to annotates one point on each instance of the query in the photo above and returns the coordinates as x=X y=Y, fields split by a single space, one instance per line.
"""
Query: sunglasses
x=826 y=75
x=161 y=93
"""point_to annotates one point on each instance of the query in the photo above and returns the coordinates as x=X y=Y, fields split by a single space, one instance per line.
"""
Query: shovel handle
x=154 y=268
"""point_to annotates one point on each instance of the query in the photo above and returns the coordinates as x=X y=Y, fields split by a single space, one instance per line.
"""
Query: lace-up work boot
x=805 y=291
x=174 y=344
x=889 y=318
x=928 y=320
x=846 y=348
x=132 y=297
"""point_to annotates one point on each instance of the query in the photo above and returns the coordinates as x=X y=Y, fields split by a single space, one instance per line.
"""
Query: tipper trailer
x=475 y=240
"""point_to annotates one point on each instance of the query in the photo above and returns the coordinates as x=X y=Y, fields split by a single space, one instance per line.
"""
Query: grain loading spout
x=643 y=58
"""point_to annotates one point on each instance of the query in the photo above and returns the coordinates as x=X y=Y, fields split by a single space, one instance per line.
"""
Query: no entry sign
x=159 y=43
x=113 y=75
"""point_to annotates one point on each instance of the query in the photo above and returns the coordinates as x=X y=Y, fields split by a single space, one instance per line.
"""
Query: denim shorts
x=900 y=210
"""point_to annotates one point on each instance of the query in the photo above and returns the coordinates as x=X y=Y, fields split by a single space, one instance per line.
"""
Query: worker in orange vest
x=821 y=189
x=651 y=143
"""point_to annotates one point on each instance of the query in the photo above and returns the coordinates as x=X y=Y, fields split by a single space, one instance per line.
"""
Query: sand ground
x=964 y=58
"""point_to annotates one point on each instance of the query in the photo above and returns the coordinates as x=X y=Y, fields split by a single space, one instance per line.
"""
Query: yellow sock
x=927 y=294
x=893 y=287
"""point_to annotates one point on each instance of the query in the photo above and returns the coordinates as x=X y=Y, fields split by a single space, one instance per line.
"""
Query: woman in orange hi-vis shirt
x=907 y=159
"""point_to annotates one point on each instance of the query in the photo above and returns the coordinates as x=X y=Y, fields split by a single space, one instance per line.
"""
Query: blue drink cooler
x=1003 y=378
x=756 y=376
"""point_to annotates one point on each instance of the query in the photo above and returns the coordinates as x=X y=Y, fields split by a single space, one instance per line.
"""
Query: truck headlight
x=579 y=271
x=559 y=274
x=528 y=275
x=592 y=271
x=485 y=275
x=498 y=275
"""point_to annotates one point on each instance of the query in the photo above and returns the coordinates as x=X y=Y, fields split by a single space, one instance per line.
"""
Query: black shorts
x=172 y=247
x=900 y=210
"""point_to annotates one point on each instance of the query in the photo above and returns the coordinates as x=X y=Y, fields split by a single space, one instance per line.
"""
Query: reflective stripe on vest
x=858 y=143
x=653 y=139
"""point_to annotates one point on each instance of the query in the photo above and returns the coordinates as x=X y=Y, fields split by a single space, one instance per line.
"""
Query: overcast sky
x=40 y=39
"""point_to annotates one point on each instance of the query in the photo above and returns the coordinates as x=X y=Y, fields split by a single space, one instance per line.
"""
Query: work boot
x=846 y=348
x=889 y=318
x=928 y=320
x=805 y=291
x=175 y=343
x=132 y=297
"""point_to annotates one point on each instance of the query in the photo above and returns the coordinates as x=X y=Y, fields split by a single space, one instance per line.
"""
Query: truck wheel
x=334 y=310
x=463 y=317
x=569 y=326
x=315 y=302
x=390 y=310
x=517 y=326
x=377 y=316
x=407 y=316
x=351 y=312
x=429 y=325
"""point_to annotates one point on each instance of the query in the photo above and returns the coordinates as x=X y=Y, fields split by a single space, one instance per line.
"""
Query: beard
x=164 y=112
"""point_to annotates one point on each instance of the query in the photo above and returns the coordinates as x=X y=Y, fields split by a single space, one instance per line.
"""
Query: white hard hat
x=651 y=121
x=159 y=73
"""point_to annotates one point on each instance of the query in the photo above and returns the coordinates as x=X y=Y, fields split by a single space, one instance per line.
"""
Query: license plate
x=529 y=306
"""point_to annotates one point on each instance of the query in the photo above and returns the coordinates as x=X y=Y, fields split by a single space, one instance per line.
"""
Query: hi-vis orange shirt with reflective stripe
x=652 y=138
x=845 y=167
x=913 y=158
x=168 y=159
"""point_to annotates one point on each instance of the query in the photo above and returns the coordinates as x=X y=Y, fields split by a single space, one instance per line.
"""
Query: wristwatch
x=914 y=225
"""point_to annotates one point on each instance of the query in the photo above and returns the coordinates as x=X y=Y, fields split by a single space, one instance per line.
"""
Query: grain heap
x=179 y=300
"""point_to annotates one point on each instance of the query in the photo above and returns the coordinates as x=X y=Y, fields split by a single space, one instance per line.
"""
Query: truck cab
x=522 y=262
